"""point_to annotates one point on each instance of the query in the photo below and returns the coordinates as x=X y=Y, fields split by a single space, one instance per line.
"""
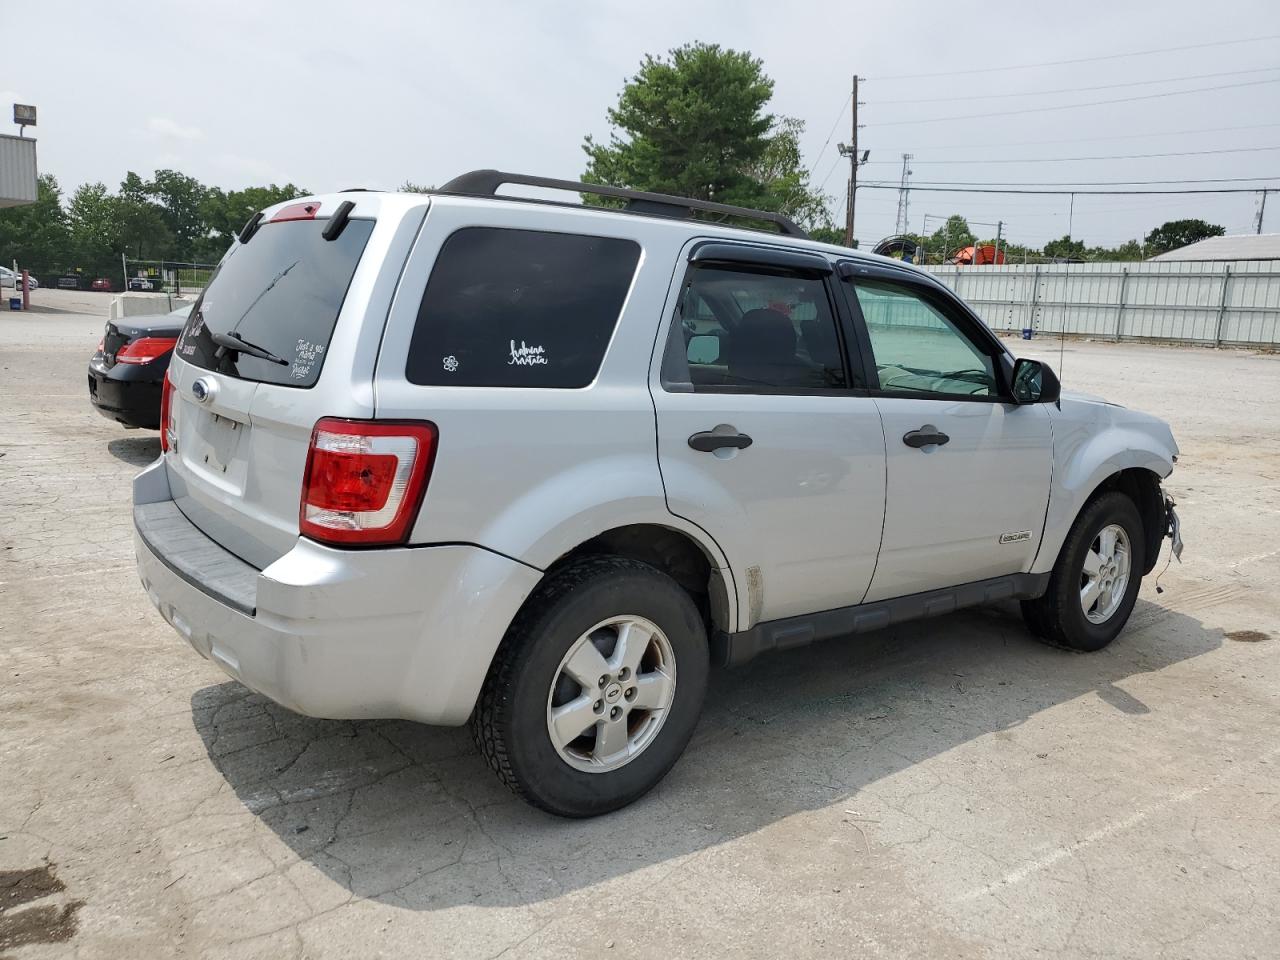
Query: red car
x=102 y=283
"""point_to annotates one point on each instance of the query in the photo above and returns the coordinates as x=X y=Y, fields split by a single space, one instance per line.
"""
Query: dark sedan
x=127 y=372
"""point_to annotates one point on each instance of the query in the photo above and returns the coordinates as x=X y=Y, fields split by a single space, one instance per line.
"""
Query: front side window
x=520 y=308
x=917 y=348
x=741 y=329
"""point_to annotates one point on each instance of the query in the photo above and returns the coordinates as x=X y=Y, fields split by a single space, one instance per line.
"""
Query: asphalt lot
x=947 y=789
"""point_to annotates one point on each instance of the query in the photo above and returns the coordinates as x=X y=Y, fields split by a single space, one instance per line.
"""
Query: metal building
x=1249 y=246
x=17 y=170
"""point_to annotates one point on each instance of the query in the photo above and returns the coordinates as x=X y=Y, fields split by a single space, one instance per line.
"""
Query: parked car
x=126 y=372
x=539 y=465
x=101 y=283
x=143 y=283
x=10 y=279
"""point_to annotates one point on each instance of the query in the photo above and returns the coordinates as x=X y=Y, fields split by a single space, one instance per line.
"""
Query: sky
x=335 y=95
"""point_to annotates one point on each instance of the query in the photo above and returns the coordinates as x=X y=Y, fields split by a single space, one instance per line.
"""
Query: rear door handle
x=925 y=436
x=722 y=436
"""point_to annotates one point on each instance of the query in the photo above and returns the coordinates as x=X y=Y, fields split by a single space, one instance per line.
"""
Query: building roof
x=1249 y=246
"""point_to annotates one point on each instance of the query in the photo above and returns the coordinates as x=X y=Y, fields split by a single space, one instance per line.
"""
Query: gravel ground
x=947 y=789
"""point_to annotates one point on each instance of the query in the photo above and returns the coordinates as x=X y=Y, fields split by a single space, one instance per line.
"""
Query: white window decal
x=525 y=356
x=451 y=363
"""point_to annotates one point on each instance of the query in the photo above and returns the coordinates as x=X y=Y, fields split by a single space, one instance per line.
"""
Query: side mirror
x=704 y=349
x=1034 y=382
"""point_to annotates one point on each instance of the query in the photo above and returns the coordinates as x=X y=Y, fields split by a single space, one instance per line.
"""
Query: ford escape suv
x=538 y=465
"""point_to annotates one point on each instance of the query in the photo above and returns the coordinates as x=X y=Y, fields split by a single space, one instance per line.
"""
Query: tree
x=1065 y=248
x=950 y=237
x=95 y=230
x=35 y=234
x=144 y=234
x=181 y=199
x=225 y=214
x=410 y=187
x=694 y=124
x=1180 y=233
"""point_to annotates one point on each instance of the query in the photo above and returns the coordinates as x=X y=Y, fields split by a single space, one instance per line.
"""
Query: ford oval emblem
x=204 y=389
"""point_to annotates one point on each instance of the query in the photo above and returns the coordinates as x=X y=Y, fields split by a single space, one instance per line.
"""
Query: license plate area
x=216 y=447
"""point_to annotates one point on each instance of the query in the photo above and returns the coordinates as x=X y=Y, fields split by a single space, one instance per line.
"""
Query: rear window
x=520 y=308
x=281 y=291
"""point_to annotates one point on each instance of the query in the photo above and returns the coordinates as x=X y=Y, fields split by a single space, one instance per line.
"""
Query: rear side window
x=281 y=291
x=520 y=308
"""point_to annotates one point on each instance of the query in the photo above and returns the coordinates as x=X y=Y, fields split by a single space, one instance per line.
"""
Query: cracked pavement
x=951 y=788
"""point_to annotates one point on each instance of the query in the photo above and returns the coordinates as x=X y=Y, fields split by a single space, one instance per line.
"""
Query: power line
x=1121 y=136
x=1102 y=86
x=1092 y=183
x=1075 y=106
x=1060 y=192
x=826 y=143
x=1120 y=156
x=1059 y=63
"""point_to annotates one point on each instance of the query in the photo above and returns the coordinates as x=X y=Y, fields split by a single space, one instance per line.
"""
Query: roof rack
x=485 y=183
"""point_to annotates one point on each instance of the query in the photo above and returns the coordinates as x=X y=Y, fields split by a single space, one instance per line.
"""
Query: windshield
x=281 y=292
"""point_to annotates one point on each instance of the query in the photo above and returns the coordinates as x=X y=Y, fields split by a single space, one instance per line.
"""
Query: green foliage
x=1065 y=248
x=694 y=124
x=410 y=187
x=950 y=237
x=35 y=234
x=180 y=199
x=829 y=234
x=1179 y=233
x=225 y=213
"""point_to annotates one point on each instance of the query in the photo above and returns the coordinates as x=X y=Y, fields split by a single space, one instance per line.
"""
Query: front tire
x=596 y=688
x=1095 y=582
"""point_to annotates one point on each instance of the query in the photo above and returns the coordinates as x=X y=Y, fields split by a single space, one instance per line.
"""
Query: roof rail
x=485 y=183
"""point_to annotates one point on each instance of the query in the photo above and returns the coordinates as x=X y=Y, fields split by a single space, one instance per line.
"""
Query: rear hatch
x=241 y=419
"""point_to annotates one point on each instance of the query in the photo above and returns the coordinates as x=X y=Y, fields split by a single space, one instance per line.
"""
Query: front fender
x=1091 y=442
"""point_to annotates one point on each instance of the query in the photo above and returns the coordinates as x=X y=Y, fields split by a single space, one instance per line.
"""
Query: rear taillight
x=166 y=400
x=145 y=349
x=365 y=480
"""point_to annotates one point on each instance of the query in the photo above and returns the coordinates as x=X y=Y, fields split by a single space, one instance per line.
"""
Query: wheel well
x=1143 y=488
x=675 y=554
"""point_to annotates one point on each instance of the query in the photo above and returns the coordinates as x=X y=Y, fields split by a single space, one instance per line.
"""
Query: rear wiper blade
x=234 y=343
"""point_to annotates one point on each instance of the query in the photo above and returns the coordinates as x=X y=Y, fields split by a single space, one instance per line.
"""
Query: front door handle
x=925 y=436
x=724 y=435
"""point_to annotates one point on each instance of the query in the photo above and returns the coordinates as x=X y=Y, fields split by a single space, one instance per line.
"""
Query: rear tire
x=1095 y=582
x=595 y=689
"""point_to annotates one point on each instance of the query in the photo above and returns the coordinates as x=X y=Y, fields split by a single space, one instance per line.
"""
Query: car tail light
x=365 y=480
x=145 y=349
x=166 y=407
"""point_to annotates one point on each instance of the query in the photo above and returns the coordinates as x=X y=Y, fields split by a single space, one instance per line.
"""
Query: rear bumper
x=133 y=402
x=343 y=634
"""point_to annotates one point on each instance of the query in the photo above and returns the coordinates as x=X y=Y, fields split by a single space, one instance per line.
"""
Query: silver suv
x=540 y=464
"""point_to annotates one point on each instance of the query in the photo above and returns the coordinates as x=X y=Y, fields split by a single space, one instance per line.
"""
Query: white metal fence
x=1235 y=303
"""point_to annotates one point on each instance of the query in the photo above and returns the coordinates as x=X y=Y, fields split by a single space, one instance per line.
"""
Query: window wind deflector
x=738 y=253
x=338 y=222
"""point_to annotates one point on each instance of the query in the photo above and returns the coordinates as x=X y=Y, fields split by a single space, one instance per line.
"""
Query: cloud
x=164 y=127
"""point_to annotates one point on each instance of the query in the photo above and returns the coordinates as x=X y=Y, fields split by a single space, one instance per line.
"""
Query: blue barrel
x=15 y=303
x=1027 y=333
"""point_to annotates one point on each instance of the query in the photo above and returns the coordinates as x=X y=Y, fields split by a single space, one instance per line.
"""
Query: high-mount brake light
x=365 y=480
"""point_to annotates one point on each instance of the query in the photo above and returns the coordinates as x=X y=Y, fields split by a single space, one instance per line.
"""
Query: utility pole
x=995 y=259
x=904 y=189
x=1261 y=211
x=850 y=150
